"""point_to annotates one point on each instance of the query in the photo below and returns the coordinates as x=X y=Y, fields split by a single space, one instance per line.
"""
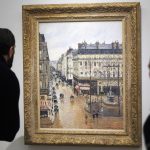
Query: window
x=99 y=64
x=113 y=74
x=85 y=63
x=40 y=67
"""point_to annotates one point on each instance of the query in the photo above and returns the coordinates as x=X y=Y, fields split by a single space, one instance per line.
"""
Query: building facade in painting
x=46 y=103
x=98 y=67
x=44 y=65
x=94 y=68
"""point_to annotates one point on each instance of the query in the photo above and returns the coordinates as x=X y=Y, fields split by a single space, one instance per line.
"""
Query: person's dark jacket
x=146 y=130
x=9 y=99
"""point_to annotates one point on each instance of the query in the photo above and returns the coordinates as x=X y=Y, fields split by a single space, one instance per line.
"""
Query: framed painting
x=82 y=80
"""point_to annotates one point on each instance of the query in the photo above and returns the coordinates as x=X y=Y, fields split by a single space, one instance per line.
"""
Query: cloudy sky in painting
x=61 y=36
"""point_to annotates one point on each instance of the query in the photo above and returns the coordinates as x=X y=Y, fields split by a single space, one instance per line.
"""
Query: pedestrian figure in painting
x=96 y=114
x=71 y=97
x=9 y=88
x=146 y=127
x=86 y=118
x=93 y=114
x=57 y=86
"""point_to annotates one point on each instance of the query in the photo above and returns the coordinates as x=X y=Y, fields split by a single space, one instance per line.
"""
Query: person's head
x=7 y=45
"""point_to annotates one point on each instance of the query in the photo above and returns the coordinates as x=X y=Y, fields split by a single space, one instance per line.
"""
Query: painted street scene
x=81 y=76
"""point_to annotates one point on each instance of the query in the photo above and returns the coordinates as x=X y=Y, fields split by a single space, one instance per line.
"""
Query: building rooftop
x=97 y=45
x=100 y=51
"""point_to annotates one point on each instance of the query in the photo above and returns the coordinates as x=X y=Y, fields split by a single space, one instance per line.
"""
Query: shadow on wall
x=18 y=144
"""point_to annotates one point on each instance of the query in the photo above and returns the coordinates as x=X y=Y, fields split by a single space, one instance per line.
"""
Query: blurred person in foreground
x=146 y=127
x=9 y=88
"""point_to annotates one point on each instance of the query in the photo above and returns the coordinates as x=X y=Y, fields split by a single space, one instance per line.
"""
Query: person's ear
x=11 y=51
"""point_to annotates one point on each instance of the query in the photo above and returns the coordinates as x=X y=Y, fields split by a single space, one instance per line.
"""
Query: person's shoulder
x=6 y=73
x=148 y=119
x=147 y=124
x=4 y=70
x=13 y=78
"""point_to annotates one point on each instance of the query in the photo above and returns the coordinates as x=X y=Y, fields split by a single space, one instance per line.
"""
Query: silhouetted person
x=9 y=88
x=146 y=127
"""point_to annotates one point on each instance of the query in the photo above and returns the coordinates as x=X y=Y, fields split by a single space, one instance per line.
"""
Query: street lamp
x=118 y=91
x=101 y=103
x=90 y=86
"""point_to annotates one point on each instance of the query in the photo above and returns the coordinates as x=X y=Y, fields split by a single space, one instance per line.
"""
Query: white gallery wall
x=11 y=17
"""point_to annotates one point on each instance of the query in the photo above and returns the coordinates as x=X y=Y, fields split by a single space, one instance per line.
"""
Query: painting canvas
x=81 y=75
x=82 y=83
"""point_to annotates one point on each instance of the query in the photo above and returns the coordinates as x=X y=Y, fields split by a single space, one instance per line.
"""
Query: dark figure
x=96 y=115
x=93 y=114
x=146 y=128
x=9 y=88
x=71 y=97
x=61 y=96
x=57 y=85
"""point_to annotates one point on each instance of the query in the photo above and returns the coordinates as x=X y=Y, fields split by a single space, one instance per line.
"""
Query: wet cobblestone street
x=72 y=114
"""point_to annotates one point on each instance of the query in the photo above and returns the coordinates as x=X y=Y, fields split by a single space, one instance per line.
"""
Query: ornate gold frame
x=129 y=14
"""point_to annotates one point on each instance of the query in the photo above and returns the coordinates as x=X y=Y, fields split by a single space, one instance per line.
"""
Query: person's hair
x=7 y=40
